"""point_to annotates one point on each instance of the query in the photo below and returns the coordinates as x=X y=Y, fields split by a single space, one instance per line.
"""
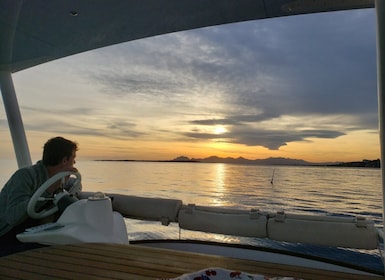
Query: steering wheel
x=38 y=195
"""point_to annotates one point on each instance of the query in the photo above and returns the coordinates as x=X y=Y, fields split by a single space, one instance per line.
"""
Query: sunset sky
x=298 y=87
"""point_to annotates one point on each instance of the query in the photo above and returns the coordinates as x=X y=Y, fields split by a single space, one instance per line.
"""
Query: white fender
x=226 y=221
x=346 y=232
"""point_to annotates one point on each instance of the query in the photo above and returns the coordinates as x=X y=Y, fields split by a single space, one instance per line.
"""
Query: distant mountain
x=183 y=159
x=279 y=161
x=241 y=160
x=267 y=161
x=364 y=163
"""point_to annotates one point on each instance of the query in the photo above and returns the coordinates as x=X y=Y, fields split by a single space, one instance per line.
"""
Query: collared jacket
x=16 y=193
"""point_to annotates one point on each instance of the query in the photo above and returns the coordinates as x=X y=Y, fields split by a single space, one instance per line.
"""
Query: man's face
x=69 y=162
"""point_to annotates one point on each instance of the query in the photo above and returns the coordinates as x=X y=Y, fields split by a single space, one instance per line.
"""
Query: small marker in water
x=272 y=177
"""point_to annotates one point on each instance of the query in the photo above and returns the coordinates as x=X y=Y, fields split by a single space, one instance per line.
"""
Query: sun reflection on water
x=219 y=184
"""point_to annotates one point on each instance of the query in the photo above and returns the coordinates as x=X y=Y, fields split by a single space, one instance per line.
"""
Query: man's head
x=59 y=150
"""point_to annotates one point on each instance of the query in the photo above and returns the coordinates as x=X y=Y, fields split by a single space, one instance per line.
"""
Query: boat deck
x=106 y=261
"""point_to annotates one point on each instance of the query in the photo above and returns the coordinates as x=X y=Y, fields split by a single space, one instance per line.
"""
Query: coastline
x=269 y=161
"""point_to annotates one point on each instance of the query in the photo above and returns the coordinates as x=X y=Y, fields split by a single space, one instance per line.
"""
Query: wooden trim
x=113 y=261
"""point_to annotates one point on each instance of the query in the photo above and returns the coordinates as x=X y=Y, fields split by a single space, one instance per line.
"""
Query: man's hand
x=58 y=184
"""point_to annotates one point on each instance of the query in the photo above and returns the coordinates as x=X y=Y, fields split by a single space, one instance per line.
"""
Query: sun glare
x=219 y=129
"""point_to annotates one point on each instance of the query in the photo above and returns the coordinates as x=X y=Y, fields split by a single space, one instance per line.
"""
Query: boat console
x=84 y=220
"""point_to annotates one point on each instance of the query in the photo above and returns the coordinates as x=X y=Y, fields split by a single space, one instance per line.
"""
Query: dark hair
x=56 y=149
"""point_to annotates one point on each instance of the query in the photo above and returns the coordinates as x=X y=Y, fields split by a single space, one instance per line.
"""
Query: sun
x=219 y=129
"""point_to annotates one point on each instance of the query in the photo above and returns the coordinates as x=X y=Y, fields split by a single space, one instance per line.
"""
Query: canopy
x=37 y=31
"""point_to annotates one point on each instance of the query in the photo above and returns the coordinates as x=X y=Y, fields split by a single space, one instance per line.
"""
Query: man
x=58 y=156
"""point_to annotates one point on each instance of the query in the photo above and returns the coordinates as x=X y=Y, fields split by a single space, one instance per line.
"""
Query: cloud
x=271 y=139
x=61 y=121
x=274 y=139
x=243 y=130
x=319 y=71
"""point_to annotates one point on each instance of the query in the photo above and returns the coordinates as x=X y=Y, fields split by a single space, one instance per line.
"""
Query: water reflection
x=219 y=184
x=320 y=190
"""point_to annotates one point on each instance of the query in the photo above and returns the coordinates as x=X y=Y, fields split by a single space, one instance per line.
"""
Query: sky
x=299 y=87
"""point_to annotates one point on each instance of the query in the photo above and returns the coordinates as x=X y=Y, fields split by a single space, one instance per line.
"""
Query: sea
x=336 y=191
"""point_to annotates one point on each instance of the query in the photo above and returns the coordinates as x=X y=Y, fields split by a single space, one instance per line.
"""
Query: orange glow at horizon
x=355 y=146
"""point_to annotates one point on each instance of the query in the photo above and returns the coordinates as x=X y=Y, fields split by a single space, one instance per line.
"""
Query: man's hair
x=56 y=149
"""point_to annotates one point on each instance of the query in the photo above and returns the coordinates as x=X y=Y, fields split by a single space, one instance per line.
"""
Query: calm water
x=321 y=190
x=305 y=190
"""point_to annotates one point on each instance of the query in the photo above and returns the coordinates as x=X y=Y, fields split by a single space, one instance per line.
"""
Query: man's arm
x=20 y=189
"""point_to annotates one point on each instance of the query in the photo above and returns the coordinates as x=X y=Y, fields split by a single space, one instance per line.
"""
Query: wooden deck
x=106 y=261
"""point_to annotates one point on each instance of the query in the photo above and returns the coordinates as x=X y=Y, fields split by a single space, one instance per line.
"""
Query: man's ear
x=64 y=160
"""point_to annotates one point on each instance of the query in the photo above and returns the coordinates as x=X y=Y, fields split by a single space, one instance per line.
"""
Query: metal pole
x=380 y=11
x=11 y=105
x=15 y=122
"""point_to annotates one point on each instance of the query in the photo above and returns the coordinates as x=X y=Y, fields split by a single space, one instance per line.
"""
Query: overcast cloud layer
x=268 y=83
x=249 y=76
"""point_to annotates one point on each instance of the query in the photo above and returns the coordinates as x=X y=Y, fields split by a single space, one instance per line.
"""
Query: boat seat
x=224 y=221
x=144 y=208
x=349 y=232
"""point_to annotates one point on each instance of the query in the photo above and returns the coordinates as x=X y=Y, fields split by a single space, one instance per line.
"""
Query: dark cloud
x=237 y=119
x=64 y=123
x=271 y=139
x=298 y=65
x=258 y=71
x=274 y=139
